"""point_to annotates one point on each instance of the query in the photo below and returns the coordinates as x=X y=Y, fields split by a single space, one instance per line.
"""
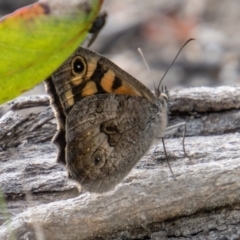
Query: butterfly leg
x=165 y=151
x=173 y=128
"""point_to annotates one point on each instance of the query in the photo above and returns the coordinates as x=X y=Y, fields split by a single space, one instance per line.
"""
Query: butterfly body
x=107 y=119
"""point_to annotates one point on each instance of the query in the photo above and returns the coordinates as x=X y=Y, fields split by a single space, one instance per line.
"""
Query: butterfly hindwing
x=106 y=135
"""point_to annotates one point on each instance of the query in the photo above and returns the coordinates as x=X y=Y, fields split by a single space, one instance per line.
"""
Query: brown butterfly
x=107 y=119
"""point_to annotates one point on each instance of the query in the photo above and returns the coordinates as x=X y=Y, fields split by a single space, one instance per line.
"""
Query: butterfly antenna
x=158 y=89
x=145 y=62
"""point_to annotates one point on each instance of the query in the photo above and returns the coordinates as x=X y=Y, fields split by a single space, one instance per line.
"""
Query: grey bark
x=203 y=202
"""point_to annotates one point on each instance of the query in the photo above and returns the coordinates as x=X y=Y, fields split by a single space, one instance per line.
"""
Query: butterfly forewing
x=86 y=73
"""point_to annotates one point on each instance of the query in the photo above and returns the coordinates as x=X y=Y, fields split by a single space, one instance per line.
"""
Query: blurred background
x=160 y=28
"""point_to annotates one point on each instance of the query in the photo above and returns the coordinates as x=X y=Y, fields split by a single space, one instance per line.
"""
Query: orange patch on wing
x=91 y=66
x=77 y=80
x=107 y=81
x=126 y=90
x=68 y=99
x=90 y=89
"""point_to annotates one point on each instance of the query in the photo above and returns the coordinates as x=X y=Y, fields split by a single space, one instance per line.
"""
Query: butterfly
x=107 y=119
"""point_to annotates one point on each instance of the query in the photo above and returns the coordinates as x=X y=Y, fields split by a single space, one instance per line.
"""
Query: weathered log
x=149 y=204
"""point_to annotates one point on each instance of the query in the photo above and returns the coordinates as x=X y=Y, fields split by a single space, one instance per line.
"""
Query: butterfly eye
x=78 y=66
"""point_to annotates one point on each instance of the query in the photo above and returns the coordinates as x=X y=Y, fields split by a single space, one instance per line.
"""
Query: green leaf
x=36 y=39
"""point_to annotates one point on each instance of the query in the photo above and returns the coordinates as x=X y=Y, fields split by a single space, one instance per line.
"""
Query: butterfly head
x=162 y=93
